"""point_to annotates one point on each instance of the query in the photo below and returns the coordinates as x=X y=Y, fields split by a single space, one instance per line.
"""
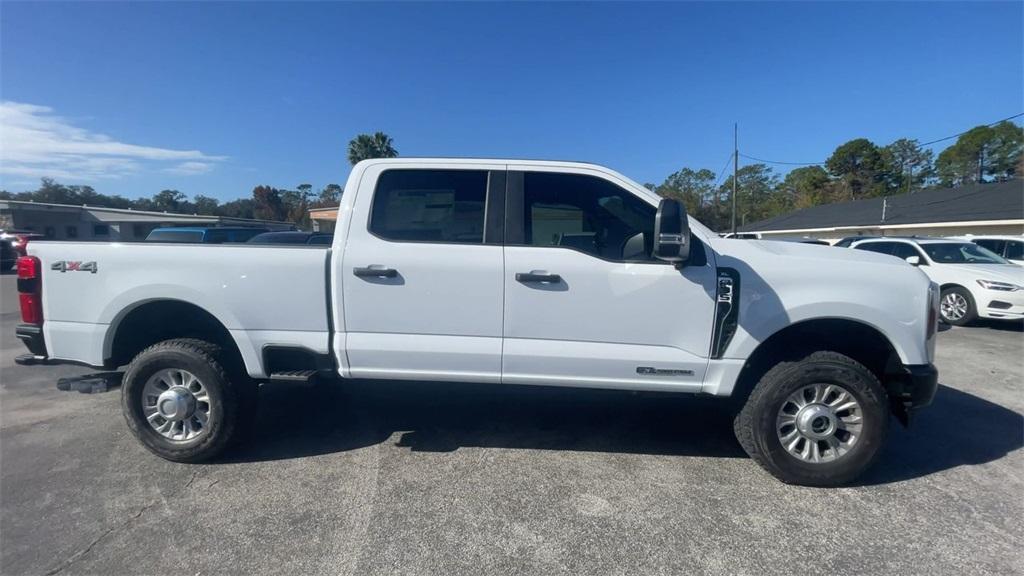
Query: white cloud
x=36 y=143
x=190 y=168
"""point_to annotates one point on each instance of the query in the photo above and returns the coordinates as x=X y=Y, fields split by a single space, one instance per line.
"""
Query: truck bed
x=262 y=294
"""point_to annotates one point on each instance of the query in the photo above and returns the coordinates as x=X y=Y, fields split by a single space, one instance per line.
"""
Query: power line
x=922 y=145
x=966 y=131
x=722 y=172
x=780 y=162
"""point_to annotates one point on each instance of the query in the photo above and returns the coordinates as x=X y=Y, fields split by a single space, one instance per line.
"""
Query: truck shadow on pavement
x=958 y=429
x=438 y=417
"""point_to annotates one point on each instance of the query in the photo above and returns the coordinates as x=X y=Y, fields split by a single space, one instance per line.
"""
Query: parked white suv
x=975 y=282
x=1009 y=247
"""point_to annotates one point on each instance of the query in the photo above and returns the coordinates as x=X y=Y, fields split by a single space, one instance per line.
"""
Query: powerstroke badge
x=651 y=371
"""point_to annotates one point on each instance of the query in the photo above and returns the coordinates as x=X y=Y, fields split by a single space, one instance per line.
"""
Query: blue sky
x=215 y=99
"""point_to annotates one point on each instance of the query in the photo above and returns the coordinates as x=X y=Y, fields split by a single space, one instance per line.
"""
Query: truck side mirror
x=672 y=232
x=914 y=260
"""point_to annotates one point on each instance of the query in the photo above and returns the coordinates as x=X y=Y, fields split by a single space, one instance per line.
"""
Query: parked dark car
x=8 y=254
x=214 y=235
x=312 y=238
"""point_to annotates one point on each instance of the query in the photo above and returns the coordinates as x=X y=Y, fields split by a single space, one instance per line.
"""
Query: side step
x=294 y=376
x=90 y=383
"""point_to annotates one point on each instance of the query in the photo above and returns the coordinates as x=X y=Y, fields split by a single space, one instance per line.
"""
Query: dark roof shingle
x=996 y=201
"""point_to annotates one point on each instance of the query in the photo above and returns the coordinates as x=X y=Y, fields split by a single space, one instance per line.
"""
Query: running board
x=90 y=383
x=294 y=376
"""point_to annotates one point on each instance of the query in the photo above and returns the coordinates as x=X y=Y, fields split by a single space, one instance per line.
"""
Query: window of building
x=138 y=231
x=100 y=230
x=587 y=214
x=430 y=206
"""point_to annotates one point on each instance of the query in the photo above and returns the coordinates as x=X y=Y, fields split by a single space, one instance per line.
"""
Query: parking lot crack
x=75 y=557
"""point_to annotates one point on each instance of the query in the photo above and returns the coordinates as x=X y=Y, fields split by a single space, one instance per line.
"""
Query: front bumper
x=913 y=389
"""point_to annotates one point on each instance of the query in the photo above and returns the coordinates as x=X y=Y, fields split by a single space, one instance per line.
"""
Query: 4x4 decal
x=74 y=266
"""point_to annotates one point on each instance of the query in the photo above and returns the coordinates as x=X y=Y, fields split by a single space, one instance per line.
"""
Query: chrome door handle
x=375 y=272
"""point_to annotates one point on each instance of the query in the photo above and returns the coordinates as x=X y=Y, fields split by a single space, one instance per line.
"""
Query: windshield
x=961 y=253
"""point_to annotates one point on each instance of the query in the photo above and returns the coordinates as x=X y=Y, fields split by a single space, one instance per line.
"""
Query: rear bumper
x=32 y=336
x=913 y=389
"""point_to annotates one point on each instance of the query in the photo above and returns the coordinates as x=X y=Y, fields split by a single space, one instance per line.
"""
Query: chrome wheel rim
x=954 y=306
x=176 y=404
x=819 y=423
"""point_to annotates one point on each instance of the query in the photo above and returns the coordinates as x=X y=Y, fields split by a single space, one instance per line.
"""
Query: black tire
x=230 y=392
x=755 y=425
x=972 y=310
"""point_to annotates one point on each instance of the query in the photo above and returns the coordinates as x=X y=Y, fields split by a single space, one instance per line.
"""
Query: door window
x=993 y=245
x=1014 y=250
x=587 y=214
x=904 y=251
x=430 y=206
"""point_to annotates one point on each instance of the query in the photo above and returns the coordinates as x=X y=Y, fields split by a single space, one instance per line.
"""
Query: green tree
x=206 y=205
x=267 y=204
x=168 y=200
x=981 y=154
x=241 y=208
x=366 y=146
x=330 y=195
x=692 y=187
x=806 y=187
x=757 y=196
x=859 y=168
x=908 y=165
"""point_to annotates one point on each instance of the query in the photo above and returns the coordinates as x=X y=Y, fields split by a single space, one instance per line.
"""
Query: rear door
x=422 y=275
x=585 y=302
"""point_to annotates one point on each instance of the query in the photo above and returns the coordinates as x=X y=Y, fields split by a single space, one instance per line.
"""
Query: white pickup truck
x=500 y=272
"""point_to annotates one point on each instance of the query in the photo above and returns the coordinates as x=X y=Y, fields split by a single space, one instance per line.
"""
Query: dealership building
x=70 y=222
x=996 y=208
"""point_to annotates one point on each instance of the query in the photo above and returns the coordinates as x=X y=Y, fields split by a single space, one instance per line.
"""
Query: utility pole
x=735 y=171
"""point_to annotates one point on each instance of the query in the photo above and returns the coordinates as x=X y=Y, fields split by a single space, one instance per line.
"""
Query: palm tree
x=365 y=146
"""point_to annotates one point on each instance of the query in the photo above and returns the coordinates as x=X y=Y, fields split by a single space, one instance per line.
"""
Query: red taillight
x=28 y=268
x=30 y=294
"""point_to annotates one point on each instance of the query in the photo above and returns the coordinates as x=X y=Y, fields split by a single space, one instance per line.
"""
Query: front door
x=585 y=302
x=422 y=278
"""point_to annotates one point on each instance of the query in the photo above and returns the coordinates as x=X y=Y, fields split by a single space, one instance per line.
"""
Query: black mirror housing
x=672 y=232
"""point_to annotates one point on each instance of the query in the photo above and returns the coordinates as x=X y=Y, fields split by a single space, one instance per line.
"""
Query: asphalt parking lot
x=410 y=478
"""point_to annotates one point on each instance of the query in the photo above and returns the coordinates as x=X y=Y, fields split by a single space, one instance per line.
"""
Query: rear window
x=430 y=206
x=880 y=247
x=184 y=236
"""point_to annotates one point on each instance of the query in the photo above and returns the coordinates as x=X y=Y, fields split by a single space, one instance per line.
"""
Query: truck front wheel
x=180 y=402
x=819 y=421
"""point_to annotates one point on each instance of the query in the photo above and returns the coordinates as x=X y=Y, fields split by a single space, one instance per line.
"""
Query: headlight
x=1004 y=286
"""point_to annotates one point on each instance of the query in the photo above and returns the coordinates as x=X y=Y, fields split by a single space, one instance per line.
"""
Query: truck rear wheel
x=819 y=421
x=181 y=403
